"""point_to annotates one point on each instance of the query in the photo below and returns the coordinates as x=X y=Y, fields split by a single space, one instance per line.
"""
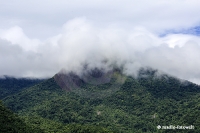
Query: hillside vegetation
x=11 y=123
x=139 y=105
x=11 y=85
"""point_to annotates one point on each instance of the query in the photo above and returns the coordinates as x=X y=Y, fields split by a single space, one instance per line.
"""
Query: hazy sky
x=39 y=38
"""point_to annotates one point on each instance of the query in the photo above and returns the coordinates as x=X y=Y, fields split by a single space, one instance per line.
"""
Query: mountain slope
x=11 y=85
x=11 y=123
x=138 y=105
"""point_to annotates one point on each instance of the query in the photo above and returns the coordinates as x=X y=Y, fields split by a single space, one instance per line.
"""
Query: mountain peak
x=66 y=80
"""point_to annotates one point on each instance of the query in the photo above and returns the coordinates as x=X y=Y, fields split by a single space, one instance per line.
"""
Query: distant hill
x=10 y=85
x=118 y=104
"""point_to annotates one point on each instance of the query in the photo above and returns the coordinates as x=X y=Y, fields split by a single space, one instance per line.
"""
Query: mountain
x=10 y=85
x=109 y=102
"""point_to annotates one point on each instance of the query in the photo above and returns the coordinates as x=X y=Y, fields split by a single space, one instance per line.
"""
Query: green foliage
x=77 y=128
x=11 y=123
x=10 y=85
x=140 y=105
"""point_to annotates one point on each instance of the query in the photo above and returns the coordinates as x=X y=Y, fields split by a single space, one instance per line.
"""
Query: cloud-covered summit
x=39 y=39
x=82 y=42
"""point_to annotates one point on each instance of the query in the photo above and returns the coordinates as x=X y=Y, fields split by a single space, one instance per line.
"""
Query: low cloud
x=82 y=42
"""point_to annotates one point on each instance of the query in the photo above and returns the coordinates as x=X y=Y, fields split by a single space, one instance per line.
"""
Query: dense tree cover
x=48 y=125
x=11 y=85
x=139 y=106
x=11 y=123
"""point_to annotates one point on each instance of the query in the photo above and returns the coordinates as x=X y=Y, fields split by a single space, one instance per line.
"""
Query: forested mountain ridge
x=11 y=85
x=138 y=105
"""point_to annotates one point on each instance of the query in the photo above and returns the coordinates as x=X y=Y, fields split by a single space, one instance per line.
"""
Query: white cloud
x=16 y=36
x=82 y=42
x=34 y=42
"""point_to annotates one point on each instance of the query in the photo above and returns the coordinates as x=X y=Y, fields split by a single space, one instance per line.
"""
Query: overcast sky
x=39 y=38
